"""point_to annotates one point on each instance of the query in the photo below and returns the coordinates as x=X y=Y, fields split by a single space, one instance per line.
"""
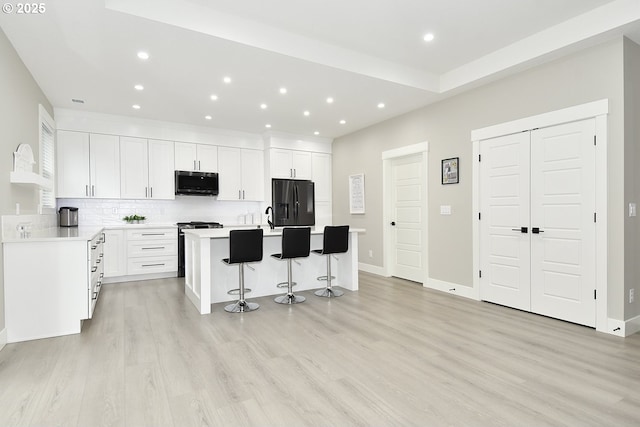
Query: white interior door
x=562 y=209
x=504 y=207
x=407 y=215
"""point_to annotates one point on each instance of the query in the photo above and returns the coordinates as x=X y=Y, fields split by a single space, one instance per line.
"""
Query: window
x=47 y=157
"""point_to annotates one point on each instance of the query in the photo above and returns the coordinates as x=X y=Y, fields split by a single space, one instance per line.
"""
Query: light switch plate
x=445 y=210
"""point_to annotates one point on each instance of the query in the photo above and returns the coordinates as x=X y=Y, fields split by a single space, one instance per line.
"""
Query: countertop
x=55 y=233
x=223 y=233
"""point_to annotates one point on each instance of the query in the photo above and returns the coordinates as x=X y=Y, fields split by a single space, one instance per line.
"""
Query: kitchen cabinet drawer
x=147 y=265
x=140 y=248
x=152 y=234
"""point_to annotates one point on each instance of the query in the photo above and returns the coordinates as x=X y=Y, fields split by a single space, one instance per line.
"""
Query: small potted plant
x=134 y=219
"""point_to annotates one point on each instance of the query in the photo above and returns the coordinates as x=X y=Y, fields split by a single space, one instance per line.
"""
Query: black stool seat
x=244 y=246
x=296 y=243
x=335 y=241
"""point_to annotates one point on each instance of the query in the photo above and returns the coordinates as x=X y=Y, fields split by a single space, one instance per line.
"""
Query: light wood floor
x=392 y=354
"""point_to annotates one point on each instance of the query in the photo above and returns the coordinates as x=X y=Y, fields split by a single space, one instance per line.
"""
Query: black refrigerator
x=293 y=202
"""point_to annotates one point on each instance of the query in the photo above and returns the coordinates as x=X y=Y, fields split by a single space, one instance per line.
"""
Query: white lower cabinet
x=52 y=298
x=132 y=252
x=115 y=253
x=152 y=250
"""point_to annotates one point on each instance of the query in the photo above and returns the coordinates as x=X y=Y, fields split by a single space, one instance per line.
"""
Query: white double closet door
x=537 y=224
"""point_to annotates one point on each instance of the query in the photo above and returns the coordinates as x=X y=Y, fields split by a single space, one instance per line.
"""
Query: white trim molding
x=452 y=288
x=632 y=326
x=373 y=269
x=597 y=110
x=3 y=338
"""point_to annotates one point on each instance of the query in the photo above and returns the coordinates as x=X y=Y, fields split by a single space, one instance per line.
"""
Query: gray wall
x=631 y=176
x=19 y=112
x=592 y=74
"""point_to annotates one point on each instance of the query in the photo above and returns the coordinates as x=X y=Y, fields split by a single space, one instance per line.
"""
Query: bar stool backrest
x=245 y=245
x=336 y=239
x=296 y=242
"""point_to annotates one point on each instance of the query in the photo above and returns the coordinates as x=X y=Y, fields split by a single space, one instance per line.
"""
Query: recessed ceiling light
x=343 y=122
x=135 y=106
x=214 y=97
x=268 y=126
x=263 y=106
x=208 y=117
x=283 y=90
x=329 y=100
x=381 y=105
x=227 y=80
x=77 y=101
x=316 y=133
x=428 y=37
x=138 y=87
x=143 y=55
x=306 y=113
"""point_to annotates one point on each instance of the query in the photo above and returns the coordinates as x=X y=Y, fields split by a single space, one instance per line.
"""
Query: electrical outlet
x=632 y=296
x=370 y=253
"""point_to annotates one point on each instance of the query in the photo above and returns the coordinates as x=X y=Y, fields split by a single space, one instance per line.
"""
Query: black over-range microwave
x=197 y=183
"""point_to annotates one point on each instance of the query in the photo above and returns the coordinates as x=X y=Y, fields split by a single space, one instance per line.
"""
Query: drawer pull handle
x=93 y=248
x=94 y=269
x=95 y=296
x=152 y=265
x=157 y=247
x=101 y=275
x=153 y=234
x=98 y=261
x=101 y=255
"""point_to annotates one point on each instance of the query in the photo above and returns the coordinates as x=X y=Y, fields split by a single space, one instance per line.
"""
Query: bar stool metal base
x=289 y=299
x=241 y=307
x=329 y=293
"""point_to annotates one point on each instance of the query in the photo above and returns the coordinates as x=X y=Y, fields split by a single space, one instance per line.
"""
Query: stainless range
x=187 y=226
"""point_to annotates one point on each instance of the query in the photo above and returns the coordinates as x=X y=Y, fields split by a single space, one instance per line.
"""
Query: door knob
x=393 y=223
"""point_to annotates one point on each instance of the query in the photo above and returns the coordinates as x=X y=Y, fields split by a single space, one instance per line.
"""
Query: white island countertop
x=223 y=233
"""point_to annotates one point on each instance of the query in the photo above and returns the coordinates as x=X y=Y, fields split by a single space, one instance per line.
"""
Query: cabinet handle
x=239 y=195
x=94 y=247
x=194 y=165
x=98 y=261
x=152 y=234
x=242 y=194
x=152 y=265
x=104 y=238
x=95 y=296
x=151 y=192
x=101 y=276
x=157 y=247
x=94 y=269
x=86 y=190
x=291 y=173
x=146 y=194
x=294 y=173
x=199 y=167
x=93 y=191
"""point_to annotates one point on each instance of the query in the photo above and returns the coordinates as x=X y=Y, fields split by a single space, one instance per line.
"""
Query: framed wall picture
x=356 y=194
x=450 y=169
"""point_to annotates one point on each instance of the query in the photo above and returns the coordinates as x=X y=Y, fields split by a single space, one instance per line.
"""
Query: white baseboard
x=615 y=327
x=138 y=277
x=451 y=288
x=632 y=326
x=373 y=269
x=3 y=338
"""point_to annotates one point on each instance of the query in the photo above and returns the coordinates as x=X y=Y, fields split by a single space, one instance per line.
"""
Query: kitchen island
x=207 y=279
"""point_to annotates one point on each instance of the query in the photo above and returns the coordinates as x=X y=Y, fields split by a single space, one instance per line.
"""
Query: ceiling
x=361 y=53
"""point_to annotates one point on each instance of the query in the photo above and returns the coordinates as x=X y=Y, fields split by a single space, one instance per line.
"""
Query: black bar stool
x=244 y=246
x=335 y=241
x=295 y=244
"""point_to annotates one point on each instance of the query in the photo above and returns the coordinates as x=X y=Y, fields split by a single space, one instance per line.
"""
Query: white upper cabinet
x=147 y=169
x=241 y=174
x=161 y=170
x=88 y=165
x=321 y=168
x=290 y=164
x=196 y=157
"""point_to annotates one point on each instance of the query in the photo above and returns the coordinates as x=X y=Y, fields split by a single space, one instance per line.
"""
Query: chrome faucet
x=269 y=208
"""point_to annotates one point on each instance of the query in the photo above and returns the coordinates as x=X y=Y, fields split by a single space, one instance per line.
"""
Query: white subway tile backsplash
x=111 y=212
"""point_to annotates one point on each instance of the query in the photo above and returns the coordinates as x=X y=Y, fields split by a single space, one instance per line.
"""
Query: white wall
x=592 y=74
x=19 y=112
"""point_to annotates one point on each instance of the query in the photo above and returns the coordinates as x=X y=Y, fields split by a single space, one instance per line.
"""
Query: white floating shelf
x=31 y=179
